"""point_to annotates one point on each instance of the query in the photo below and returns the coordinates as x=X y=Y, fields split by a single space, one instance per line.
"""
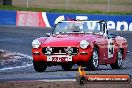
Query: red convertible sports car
x=85 y=43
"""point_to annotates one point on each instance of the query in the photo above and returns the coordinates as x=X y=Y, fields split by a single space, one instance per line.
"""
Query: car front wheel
x=39 y=66
x=94 y=61
x=119 y=60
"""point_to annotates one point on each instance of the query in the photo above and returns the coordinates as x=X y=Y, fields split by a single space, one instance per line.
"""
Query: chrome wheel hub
x=119 y=58
x=95 y=58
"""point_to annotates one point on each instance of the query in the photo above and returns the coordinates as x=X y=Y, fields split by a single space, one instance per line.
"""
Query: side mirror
x=48 y=34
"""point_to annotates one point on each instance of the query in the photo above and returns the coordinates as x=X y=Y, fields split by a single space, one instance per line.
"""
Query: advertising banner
x=114 y=22
x=7 y=17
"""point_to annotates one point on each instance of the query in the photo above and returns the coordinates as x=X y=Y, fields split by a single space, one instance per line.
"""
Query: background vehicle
x=86 y=43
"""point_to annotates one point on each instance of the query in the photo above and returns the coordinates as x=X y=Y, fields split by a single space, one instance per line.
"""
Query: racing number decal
x=110 y=48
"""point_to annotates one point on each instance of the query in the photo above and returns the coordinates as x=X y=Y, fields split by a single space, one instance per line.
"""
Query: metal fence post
x=27 y=3
x=108 y=5
x=67 y=4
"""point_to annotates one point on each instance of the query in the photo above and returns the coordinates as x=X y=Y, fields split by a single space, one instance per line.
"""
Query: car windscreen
x=77 y=26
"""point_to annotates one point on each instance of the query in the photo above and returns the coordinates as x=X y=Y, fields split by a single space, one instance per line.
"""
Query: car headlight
x=35 y=43
x=84 y=44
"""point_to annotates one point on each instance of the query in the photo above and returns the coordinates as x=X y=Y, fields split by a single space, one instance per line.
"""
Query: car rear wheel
x=67 y=66
x=119 y=60
x=39 y=66
x=94 y=61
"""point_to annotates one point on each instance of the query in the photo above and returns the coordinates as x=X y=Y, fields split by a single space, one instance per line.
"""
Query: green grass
x=6 y=7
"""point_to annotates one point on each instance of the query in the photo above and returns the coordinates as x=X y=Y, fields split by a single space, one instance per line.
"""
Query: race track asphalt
x=19 y=39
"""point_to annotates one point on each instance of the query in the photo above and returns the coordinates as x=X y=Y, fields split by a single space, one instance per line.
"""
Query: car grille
x=60 y=50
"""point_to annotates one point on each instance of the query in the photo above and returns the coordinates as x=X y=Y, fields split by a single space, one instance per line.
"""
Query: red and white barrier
x=33 y=19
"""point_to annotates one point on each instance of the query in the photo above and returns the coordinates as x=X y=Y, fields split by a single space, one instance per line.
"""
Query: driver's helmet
x=74 y=28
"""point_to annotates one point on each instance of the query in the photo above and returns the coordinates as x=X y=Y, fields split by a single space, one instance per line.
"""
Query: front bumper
x=83 y=55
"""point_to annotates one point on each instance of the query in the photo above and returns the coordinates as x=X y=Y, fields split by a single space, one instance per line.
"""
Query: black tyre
x=119 y=60
x=67 y=66
x=94 y=61
x=39 y=66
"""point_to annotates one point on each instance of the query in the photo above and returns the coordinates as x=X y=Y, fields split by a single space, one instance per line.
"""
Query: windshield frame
x=99 y=23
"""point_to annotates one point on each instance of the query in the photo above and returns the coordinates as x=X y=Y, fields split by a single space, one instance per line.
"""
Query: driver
x=74 y=28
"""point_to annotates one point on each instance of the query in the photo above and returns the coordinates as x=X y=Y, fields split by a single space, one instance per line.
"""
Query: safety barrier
x=47 y=19
x=7 y=17
x=34 y=19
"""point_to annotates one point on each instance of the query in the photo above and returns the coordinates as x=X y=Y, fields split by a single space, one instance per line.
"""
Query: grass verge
x=8 y=7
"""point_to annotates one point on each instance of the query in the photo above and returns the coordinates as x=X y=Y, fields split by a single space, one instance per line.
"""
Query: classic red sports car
x=85 y=43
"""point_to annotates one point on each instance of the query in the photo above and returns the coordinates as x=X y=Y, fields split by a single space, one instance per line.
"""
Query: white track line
x=56 y=80
x=17 y=67
x=29 y=57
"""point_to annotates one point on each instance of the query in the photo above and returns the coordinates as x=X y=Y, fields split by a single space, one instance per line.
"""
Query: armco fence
x=46 y=19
